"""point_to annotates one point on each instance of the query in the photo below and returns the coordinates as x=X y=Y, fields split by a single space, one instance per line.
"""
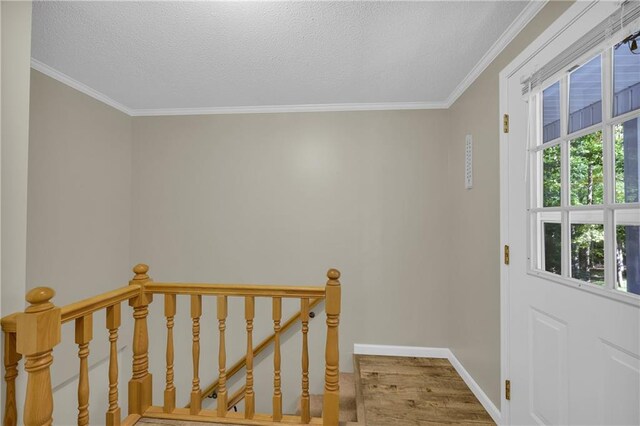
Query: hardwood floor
x=401 y=391
x=416 y=391
x=160 y=422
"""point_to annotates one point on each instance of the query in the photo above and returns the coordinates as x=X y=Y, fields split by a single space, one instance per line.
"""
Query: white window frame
x=604 y=213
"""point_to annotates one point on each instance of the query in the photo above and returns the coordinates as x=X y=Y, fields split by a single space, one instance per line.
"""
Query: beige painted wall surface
x=79 y=215
x=79 y=192
x=280 y=198
x=14 y=145
x=474 y=277
x=16 y=54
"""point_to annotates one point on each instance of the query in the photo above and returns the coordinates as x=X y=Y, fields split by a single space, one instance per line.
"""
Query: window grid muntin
x=609 y=206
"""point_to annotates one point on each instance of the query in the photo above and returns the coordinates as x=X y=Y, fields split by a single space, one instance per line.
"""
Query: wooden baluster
x=304 y=400
x=331 y=399
x=277 y=393
x=222 y=357
x=140 y=385
x=196 y=312
x=170 y=390
x=11 y=359
x=114 y=319
x=249 y=398
x=38 y=331
x=84 y=334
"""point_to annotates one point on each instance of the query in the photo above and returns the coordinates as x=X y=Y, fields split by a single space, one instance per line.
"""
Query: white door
x=571 y=326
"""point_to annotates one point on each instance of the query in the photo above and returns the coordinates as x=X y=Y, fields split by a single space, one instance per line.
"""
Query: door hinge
x=506 y=254
x=505 y=123
x=507 y=390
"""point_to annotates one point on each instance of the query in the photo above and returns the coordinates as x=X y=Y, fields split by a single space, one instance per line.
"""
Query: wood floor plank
x=163 y=422
x=404 y=391
x=416 y=392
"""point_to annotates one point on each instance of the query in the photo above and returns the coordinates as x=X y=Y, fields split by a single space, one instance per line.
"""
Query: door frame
x=556 y=29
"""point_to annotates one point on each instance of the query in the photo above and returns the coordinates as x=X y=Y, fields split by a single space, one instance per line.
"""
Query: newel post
x=37 y=332
x=140 y=385
x=331 y=401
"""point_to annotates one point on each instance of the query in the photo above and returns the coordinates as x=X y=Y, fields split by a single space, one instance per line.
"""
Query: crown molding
x=521 y=21
x=81 y=87
x=262 y=109
x=527 y=14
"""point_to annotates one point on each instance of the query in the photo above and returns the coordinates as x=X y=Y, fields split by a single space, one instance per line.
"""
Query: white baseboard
x=488 y=405
x=420 y=352
x=385 y=350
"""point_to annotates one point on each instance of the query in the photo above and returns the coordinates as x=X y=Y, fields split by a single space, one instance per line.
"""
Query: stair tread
x=348 y=410
x=347 y=385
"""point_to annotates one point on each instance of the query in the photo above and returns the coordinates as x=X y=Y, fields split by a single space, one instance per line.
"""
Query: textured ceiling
x=174 y=55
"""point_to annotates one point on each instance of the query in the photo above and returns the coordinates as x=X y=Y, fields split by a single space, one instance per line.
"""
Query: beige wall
x=15 y=34
x=280 y=198
x=249 y=198
x=16 y=54
x=80 y=175
x=79 y=215
x=474 y=277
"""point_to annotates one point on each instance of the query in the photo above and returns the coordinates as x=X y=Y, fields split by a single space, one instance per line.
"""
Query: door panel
x=573 y=355
x=548 y=372
x=620 y=392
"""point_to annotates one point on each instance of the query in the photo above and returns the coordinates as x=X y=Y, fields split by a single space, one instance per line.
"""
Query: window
x=551 y=113
x=585 y=183
x=585 y=95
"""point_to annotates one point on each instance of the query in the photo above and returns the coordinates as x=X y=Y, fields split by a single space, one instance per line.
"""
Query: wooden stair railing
x=36 y=331
x=239 y=396
x=274 y=338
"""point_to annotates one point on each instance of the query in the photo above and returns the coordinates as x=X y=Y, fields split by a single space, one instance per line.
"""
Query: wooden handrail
x=239 y=365
x=33 y=334
x=9 y=323
x=96 y=303
x=82 y=308
x=236 y=397
x=238 y=290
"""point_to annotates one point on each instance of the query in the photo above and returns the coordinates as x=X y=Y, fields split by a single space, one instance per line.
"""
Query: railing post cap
x=140 y=278
x=39 y=299
x=38 y=328
x=141 y=271
x=333 y=274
